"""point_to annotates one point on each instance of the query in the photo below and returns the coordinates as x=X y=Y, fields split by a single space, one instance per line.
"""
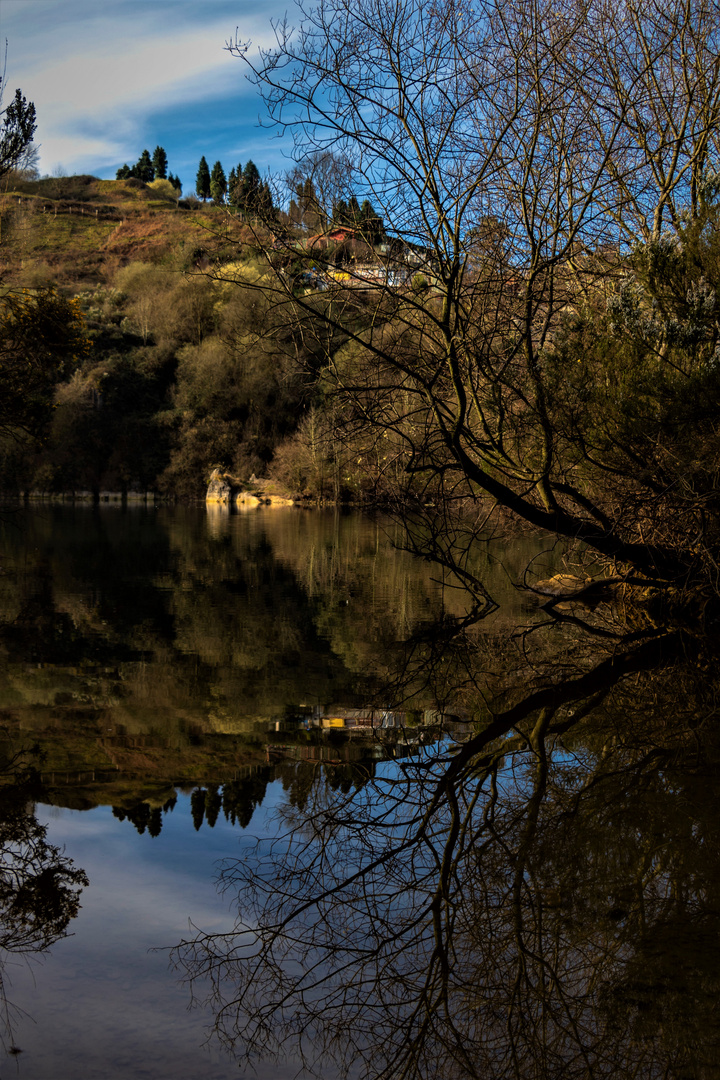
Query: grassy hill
x=80 y=230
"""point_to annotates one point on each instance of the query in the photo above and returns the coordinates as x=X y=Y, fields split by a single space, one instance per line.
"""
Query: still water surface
x=151 y=654
x=499 y=850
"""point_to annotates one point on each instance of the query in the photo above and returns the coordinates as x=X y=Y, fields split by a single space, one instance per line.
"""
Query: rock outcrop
x=222 y=488
x=226 y=490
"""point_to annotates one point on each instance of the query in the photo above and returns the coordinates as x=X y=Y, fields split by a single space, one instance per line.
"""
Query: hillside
x=80 y=230
x=178 y=372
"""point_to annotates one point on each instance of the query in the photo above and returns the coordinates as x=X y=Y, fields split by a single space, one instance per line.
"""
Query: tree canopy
x=218 y=183
x=17 y=127
x=202 y=180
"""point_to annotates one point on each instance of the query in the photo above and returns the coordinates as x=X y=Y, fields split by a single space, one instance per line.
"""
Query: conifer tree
x=265 y=203
x=340 y=213
x=218 y=183
x=202 y=180
x=370 y=223
x=160 y=164
x=249 y=189
x=17 y=127
x=144 y=168
x=234 y=186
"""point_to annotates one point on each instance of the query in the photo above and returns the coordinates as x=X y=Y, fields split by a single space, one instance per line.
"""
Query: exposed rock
x=226 y=490
x=222 y=488
x=561 y=585
x=246 y=499
x=566 y=588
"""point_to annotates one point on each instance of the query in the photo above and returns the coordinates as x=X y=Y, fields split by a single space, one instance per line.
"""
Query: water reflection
x=40 y=886
x=458 y=846
x=539 y=900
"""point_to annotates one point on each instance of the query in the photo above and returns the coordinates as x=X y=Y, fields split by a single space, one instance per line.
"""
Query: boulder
x=222 y=488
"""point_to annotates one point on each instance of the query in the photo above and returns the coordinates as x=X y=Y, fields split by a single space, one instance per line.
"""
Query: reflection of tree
x=538 y=901
x=39 y=888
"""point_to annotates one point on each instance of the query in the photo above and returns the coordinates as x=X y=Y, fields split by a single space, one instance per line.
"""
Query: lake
x=278 y=794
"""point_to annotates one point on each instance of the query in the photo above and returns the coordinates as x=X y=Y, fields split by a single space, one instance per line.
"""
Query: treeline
x=150 y=169
x=243 y=190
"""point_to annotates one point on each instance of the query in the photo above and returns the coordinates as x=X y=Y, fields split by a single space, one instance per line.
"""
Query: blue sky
x=111 y=77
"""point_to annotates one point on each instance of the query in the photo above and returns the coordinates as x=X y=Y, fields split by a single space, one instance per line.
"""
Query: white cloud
x=96 y=72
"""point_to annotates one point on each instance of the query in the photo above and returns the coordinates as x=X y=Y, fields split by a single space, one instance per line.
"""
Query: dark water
x=273 y=766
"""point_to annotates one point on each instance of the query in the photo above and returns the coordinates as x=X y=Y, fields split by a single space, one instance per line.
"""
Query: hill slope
x=78 y=229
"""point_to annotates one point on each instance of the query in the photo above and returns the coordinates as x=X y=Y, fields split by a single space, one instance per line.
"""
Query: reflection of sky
x=101 y=1004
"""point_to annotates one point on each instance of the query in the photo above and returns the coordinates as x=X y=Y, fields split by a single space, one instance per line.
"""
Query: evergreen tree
x=265 y=203
x=370 y=223
x=197 y=804
x=123 y=172
x=202 y=180
x=218 y=183
x=213 y=804
x=234 y=184
x=160 y=164
x=353 y=212
x=340 y=214
x=144 y=167
x=175 y=181
x=249 y=189
x=17 y=127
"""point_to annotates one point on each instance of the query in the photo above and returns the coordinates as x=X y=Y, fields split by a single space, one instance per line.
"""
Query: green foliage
x=143 y=169
x=248 y=190
x=202 y=180
x=218 y=183
x=160 y=164
x=165 y=188
x=42 y=339
x=636 y=382
x=17 y=127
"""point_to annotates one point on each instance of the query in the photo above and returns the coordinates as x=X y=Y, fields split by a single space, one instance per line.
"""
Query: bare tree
x=497 y=906
x=513 y=151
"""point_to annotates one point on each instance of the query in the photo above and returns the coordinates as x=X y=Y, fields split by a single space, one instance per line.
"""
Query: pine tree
x=340 y=213
x=370 y=223
x=234 y=186
x=197 y=805
x=123 y=172
x=144 y=167
x=265 y=206
x=353 y=211
x=218 y=183
x=175 y=181
x=160 y=164
x=202 y=180
x=249 y=189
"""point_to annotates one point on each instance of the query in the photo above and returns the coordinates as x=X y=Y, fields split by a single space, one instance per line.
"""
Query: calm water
x=515 y=873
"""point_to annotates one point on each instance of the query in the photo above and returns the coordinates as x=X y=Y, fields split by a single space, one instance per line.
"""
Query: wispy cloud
x=99 y=73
